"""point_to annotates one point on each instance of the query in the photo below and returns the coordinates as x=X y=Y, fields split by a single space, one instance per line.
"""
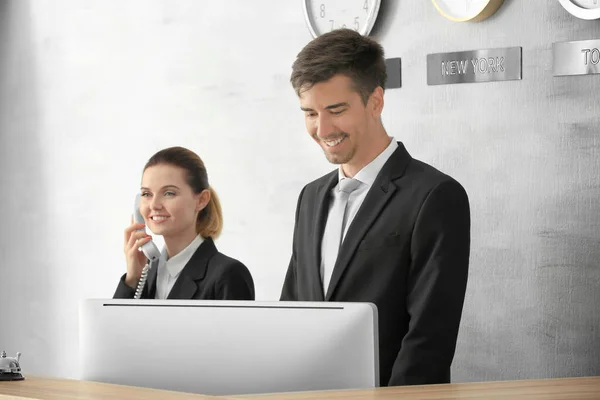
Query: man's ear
x=376 y=102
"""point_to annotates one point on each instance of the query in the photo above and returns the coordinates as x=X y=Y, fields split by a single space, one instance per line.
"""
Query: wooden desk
x=66 y=389
x=545 y=389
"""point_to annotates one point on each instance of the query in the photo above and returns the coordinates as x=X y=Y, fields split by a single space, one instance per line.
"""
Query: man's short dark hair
x=341 y=51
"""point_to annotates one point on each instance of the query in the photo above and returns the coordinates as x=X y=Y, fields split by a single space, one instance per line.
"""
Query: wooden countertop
x=34 y=387
x=541 y=389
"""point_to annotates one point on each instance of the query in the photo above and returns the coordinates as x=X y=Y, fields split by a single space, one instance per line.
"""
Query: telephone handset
x=149 y=249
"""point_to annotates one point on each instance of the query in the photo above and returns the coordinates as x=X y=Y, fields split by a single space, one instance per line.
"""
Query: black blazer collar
x=195 y=270
x=380 y=193
x=321 y=205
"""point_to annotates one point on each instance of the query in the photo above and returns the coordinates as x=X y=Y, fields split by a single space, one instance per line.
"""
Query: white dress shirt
x=366 y=176
x=170 y=268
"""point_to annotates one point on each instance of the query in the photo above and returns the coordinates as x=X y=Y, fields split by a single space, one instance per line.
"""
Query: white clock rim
x=365 y=31
x=580 y=12
x=457 y=19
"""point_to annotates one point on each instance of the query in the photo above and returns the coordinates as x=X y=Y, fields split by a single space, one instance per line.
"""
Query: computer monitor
x=229 y=347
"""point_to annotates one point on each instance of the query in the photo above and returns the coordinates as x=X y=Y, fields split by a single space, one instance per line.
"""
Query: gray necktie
x=334 y=228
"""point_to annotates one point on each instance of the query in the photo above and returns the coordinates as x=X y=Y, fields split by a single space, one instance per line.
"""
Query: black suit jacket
x=209 y=275
x=406 y=251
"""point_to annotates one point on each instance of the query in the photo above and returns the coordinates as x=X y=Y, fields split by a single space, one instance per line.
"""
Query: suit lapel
x=186 y=285
x=184 y=289
x=380 y=193
x=321 y=206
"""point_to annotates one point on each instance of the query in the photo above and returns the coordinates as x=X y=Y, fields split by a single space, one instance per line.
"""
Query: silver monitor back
x=229 y=347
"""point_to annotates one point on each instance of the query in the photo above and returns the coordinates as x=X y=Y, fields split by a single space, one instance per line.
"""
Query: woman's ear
x=203 y=200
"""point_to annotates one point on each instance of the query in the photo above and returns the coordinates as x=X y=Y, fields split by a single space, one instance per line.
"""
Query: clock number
x=344 y=26
x=332 y=22
x=356 y=25
x=322 y=10
x=366 y=6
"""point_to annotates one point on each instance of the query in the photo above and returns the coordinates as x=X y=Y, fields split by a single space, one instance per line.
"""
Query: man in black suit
x=382 y=228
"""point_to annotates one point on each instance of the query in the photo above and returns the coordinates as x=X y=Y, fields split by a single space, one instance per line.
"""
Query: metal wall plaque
x=576 y=58
x=394 y=73
x=487 y=65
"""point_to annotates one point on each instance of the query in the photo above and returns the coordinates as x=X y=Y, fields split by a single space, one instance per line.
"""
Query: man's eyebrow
x=337 y=105
x=330 y=107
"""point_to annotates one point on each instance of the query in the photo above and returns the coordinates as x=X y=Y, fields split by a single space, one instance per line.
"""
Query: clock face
x=584 y=9
x=467 y=10
x=326 y=15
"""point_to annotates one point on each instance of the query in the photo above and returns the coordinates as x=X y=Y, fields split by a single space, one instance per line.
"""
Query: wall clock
x=326 y=15
x=467 y=10
x=584 y=9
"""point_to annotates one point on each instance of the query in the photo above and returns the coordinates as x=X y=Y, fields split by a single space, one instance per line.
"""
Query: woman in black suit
x=178 y=203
